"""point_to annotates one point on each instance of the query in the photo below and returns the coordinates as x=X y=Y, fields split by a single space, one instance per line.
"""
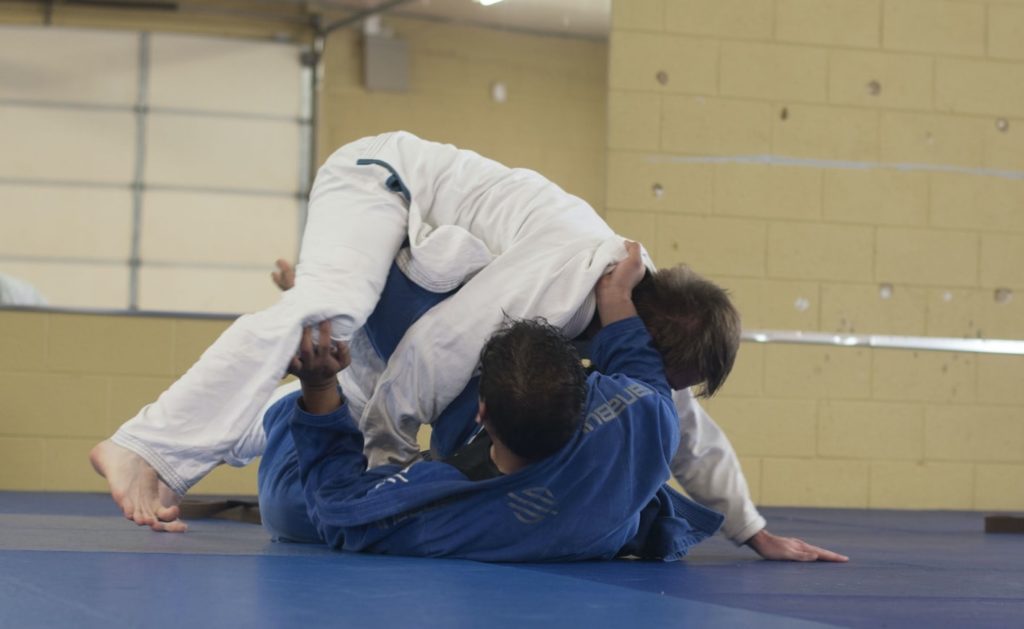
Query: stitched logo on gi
x=532 y=505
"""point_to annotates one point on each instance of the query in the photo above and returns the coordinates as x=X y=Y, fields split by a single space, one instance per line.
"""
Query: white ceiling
x=580 y=18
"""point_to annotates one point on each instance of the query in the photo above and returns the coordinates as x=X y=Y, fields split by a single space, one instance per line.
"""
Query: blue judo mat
x=70 y=560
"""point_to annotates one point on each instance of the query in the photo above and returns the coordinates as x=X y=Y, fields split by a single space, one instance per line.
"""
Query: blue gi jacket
x=603 y=495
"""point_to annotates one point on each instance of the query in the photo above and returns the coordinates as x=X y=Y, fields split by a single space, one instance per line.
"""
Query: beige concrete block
x=732 y=19
x=854 y=23
x=772 y=71
x=192 y=337
x=958 y=313
x=578 y=172
x=66 y=222
x=348 y=116
x=23 y=14
x=930 y=139
x=826 y=133
x=128 y=394
x=1001 y=319
x=775 y=305
x=1005 y=25
x=67 y=467
x=929 y=257
x=221 y=229
x=999 y=379
x=747 y=376
x=765 y=427
x=1002 y=259
x=979 y=87
x=814 y=483
x=903 y=81
x=23 y=341
x=75 y=285
x=217 y=74
x=638 y=226
x=988 y=434
x=767 y=191
x=231 y=481
x=1003 y=150
x=999 y=487
x=53 y=405
x=21 y=464
x=870 y=430
x=954 y=28
x=699 y=125
x=820 y=251
x=712 y=246
x=657 y=183
x=806 y=371
x=862 y=309
x=899 y=485
x=638 y=15
x=102 y=344
x=216 y=290
x=342 y=59
x=83 y=66
x=423 y=437
x=218 y=152
x=876 y=197
x=923 y=376
x=68 y=144
x=634 y=120
x=977 y=202
x=689 y=65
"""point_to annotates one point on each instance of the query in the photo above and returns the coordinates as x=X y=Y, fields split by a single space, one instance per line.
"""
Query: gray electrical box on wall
x=385 y=64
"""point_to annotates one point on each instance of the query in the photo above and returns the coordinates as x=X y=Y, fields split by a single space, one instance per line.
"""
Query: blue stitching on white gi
x=394 y=182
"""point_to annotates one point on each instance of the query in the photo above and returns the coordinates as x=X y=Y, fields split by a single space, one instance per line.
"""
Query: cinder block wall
x=68 y=381
x=895 y=131
x=552 y=122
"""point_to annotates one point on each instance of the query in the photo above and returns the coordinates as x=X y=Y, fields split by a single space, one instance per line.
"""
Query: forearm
x=321 y=398
x=707 y=467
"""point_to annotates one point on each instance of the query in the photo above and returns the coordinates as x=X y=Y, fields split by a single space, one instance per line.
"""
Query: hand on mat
x=317 y=364
x=775 y=548
x=284 y=276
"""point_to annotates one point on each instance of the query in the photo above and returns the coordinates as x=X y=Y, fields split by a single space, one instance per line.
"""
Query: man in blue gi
x=565 y=467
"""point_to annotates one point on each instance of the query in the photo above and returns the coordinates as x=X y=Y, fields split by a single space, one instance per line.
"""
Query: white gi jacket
x=516 y=243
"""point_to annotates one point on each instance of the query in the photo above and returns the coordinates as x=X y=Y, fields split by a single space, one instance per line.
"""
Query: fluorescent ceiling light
x=488 y=3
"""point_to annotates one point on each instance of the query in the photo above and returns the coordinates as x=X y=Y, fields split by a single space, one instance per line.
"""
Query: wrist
x=756 y=539
x=320 y=398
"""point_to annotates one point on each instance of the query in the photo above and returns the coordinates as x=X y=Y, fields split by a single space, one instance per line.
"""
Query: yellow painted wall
x=553 y=121
x=845 y=90
x=68 y=381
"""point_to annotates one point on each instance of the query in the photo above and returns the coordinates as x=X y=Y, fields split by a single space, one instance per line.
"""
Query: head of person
x=694 y=325
x=532 y=388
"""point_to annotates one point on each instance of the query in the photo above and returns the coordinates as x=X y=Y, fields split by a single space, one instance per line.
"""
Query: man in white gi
x=510 y=242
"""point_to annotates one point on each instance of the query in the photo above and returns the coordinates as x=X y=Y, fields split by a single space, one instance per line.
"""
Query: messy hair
x=534 y=387
x=693 y=323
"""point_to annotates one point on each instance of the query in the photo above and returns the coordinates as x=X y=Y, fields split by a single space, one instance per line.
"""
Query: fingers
x=306 y=346
x=807 y=552
x=344 y=357
x=324 y=342
x=827 y=555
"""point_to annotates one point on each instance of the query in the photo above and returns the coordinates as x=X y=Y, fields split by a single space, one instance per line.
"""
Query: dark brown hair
x=693 y=323
x=534 y=386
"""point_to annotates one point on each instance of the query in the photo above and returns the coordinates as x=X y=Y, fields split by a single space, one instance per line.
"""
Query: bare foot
x=136 y=488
